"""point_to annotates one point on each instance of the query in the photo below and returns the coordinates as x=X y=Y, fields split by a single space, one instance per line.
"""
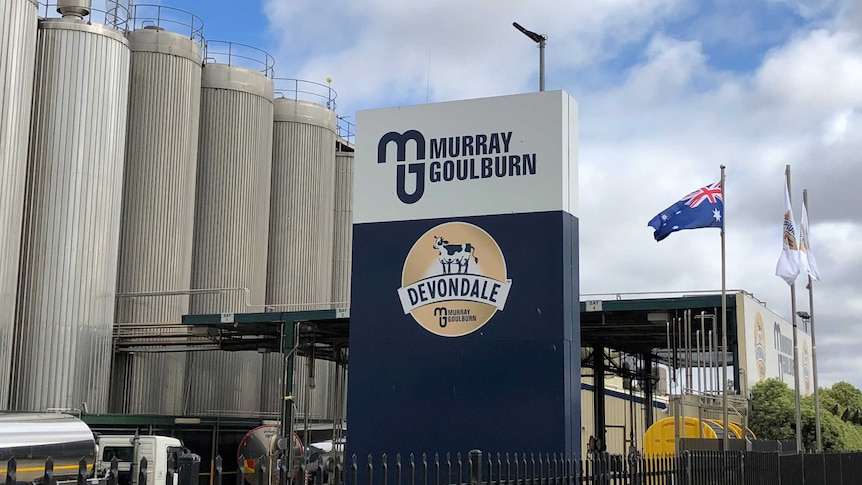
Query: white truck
x=129 y=449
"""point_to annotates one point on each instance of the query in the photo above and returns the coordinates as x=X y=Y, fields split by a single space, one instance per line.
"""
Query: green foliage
x=773 y=415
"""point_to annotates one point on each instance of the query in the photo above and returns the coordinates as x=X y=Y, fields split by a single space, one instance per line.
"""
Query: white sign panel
x=501 y=155
x=767 y=347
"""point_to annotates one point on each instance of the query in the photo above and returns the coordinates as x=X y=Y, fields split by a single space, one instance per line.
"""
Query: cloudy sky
x=668 y=91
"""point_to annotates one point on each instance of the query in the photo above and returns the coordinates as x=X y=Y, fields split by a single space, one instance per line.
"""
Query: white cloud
x=657 y=120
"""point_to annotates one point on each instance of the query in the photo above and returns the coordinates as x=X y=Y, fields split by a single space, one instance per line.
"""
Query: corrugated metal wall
x=622 y=418
x=299 y=271
x=18 y=21
x=72 y=216
x=231 y=229
x=342 y=246
x=158 y=210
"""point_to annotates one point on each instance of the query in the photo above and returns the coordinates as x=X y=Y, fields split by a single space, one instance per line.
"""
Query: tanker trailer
x=31 y=438
x=263 y=442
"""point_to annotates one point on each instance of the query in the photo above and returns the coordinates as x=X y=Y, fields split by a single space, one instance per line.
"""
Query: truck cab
x=129 y=449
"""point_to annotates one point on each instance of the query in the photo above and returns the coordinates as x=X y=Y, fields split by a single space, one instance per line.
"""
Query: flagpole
x=724 y=443
x=813 y=346
x=795 y=344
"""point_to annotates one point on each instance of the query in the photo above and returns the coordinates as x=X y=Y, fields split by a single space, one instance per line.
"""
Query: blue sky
x=668 y=90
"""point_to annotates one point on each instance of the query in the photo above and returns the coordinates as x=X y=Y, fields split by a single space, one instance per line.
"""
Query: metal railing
x=687 y=468
x=346 y=129
x=115 y=14
x=168 y=18
x=240 y=55
x=301 y=90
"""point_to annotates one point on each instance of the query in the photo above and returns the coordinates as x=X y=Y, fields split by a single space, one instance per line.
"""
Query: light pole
x=807 y=320
x=539 y=39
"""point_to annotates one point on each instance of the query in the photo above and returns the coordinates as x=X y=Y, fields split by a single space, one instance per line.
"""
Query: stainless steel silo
x=68 y=268
x=18 y=24
x=231 y=229
x=158 y=203
x=299 y=269
x=342 y=246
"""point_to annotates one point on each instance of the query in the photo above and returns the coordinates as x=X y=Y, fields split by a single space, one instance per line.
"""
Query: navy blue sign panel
x=465 y=334
x=464 y=307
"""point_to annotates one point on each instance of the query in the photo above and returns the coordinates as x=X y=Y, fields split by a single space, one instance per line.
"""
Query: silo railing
x=178 y=21
x=301 y=90
x=240 y=55
x=346 y=129
x=115 y=14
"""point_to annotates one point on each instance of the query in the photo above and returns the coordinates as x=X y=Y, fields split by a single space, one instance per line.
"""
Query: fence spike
x=240 y=470
x=217 y=470
x=142 y=473
x=81 y=478
x=384 y=468
x=12 y=471
x=398 y=469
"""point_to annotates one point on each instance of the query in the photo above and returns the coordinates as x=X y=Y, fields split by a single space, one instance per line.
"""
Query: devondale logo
x=760 y=347
x=452 y=159
x=454 y=279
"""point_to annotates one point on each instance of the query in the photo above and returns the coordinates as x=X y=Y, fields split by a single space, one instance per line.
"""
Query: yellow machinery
x=660 y=438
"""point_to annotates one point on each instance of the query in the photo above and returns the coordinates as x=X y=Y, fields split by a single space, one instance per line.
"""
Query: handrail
x=241 y=55
x=299 y=89
x=115 y=14
x=169 y=18
x=346 y=129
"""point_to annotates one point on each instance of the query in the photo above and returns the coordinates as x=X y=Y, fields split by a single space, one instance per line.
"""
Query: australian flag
x=702 y=208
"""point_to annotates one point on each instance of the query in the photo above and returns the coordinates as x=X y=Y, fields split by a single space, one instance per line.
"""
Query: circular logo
x=760 y=347
x=454 y=279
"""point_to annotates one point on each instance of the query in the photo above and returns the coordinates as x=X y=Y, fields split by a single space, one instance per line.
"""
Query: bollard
x=475 y=467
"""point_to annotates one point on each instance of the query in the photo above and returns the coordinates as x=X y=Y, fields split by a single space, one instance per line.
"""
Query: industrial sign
x=464 y=297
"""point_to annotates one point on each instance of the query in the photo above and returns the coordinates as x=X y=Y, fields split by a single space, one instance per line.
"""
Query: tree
x=773 y=415
x=773 y=411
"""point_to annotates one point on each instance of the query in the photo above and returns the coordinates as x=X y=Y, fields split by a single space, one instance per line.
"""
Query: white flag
x=788 y=263
x=807 y=263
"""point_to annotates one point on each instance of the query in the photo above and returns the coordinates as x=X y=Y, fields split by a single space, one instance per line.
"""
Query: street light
x=539 y=39
x=806 y=318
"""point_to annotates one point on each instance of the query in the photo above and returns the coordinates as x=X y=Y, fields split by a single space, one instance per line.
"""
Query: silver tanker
x=31 y=438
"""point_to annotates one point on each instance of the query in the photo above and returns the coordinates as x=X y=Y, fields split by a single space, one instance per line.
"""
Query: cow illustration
x=459 y=254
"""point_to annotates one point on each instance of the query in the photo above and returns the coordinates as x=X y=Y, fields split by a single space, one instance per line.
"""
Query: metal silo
x=299 y=269
x=68 y=268
x=231 y=223
x=158 y=200
x=342 y=246
x=18 y=24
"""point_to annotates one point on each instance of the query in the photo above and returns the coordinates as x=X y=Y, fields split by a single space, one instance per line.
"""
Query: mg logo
x=415 y=170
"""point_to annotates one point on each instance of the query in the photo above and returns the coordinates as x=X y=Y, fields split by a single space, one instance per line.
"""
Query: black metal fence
x=686 y=468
